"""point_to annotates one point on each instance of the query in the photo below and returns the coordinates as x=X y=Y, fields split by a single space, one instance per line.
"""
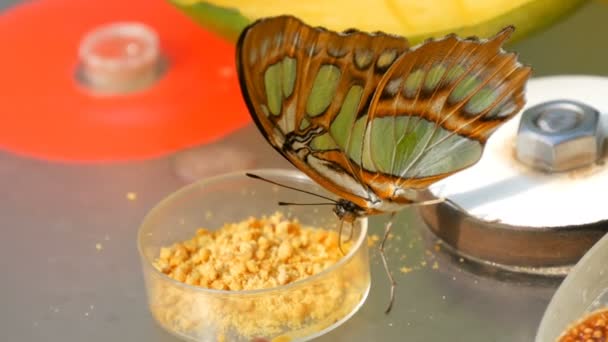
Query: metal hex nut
x=559 y=136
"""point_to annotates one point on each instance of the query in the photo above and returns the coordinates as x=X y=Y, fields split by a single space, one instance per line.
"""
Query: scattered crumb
x=208 y=214
x=437 y=248
x=98 y=247
x=423 y=263
x=405 y=269
x=461 y=260
x=372 y=240
x=131 y=196
x=443 y=297
x=435 y=265
x=86 y=314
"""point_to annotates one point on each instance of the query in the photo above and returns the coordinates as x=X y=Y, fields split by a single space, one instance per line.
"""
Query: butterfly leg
x=340 y=237
x=387 y=230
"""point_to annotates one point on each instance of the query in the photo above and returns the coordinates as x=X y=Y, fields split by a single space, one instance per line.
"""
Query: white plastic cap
x=119 y=57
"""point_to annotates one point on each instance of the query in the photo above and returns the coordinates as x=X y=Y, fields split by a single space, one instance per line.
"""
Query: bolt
x=559 y=136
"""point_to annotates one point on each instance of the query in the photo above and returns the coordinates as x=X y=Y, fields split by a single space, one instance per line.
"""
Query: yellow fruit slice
x=414 y=19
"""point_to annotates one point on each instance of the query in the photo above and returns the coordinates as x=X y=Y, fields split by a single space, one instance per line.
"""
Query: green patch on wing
x=434 y=76
x=279 y=80
x=464 y=88
x=323 y=89
x=481 y=101
x=304 y=124
x=341 y=127
x=323 y=142
x=289 y=75
x=272 y=87
x=413 y=82
x=409 y=146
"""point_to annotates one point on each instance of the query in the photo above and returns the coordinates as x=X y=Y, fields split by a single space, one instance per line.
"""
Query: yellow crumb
x=372 y=239
x=131 y=196
x=98 y=247
x=405 y=269
x=435 y=265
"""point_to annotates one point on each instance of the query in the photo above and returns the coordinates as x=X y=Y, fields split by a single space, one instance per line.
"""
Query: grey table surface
x=58 y=286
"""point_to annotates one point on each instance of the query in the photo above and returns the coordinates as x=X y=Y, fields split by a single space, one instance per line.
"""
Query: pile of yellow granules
x=256 y=253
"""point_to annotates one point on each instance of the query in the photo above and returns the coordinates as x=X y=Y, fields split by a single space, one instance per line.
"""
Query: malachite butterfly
x=371 y=118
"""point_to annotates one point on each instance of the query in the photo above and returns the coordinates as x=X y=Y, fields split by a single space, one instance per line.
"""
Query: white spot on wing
x=288 y=121
x=392 y=87
x=342 y=179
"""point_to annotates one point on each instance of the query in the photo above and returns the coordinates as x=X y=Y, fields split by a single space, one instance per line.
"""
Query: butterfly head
x=348 y=211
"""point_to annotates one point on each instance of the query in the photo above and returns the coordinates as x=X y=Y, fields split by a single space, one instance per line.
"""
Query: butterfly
x=369 y=117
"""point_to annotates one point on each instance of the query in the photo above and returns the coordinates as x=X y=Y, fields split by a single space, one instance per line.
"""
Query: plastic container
x=584 y=291
x=200 y=314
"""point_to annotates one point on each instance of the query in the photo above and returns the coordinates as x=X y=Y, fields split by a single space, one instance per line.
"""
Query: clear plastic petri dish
x=582 y=293
x=297 y=311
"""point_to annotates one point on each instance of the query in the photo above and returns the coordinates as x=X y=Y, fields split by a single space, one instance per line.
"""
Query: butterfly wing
x=434 y=110
x=306 y=88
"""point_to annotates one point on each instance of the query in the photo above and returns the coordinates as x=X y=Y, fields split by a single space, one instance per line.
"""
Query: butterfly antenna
x=251 y=175
x=291 y=203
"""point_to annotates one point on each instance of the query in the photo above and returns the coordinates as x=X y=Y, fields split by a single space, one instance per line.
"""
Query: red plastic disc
x=46 y=113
